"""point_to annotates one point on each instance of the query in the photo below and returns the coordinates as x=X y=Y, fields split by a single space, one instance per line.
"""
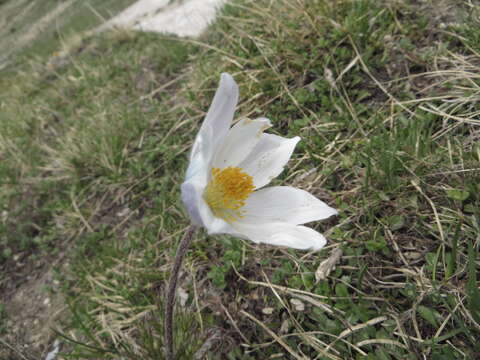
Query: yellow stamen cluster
x=227 y=191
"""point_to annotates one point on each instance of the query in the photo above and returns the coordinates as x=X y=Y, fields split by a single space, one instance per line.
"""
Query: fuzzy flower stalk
x=225 y=186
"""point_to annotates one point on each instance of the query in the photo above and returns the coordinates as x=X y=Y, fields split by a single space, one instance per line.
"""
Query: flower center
x=227 y=191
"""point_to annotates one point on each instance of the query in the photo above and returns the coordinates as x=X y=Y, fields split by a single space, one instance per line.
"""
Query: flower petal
x=215 y=126
x=199 y=211
x=200 y=157
x=268 y=158
x=220 y=114
x=282 y=234
x=285 y=204
x=240 y=141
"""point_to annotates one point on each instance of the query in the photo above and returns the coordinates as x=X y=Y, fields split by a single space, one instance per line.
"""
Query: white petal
x=200 y=212
x=201 y=157
x=282 y=234
x=240 y=141
x=220 y=114
x=285 y=204
x=268 y=158
x=190 y=200
x=215 y=126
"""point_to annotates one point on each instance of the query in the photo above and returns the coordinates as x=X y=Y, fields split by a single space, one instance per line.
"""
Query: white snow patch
x=183 y=18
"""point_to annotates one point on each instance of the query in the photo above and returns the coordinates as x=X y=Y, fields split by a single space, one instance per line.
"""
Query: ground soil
x=33 y=306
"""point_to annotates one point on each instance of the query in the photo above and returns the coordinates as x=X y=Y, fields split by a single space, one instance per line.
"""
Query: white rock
x=183 y=18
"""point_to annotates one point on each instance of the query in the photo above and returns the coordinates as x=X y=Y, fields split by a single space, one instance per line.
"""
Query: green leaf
x=7 y=252
x=217 y=275
x=473 y=294
x=396 y=222
x=376 y=245
x=452 y=257
x=457 y=194
x=341 y=290
x=381 y=354
x=431 y=258
x=429 y=314
x=469 y=208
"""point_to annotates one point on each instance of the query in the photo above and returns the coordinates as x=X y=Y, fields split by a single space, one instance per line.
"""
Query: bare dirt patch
x=33 y=307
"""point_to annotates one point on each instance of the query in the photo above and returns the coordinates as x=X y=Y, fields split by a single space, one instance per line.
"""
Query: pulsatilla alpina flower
x=229 y=167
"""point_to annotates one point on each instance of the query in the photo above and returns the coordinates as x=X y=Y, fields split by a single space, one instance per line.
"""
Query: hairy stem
x=172 y=288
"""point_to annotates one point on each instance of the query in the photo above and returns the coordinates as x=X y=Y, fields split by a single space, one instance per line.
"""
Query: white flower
x=229 y=167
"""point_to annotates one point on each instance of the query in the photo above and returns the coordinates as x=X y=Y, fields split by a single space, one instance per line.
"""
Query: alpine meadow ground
x=93 y=150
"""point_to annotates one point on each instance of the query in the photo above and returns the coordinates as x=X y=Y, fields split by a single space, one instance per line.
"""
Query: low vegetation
x=36 y=29
x=93 y=149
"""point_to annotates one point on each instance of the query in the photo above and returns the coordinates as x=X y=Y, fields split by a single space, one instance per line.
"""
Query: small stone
x=124 y=212
x=297 y=305
x=268 y=310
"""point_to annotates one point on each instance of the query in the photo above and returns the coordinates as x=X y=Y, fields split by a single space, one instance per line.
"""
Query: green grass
x=27 y=31
x=385 y=101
